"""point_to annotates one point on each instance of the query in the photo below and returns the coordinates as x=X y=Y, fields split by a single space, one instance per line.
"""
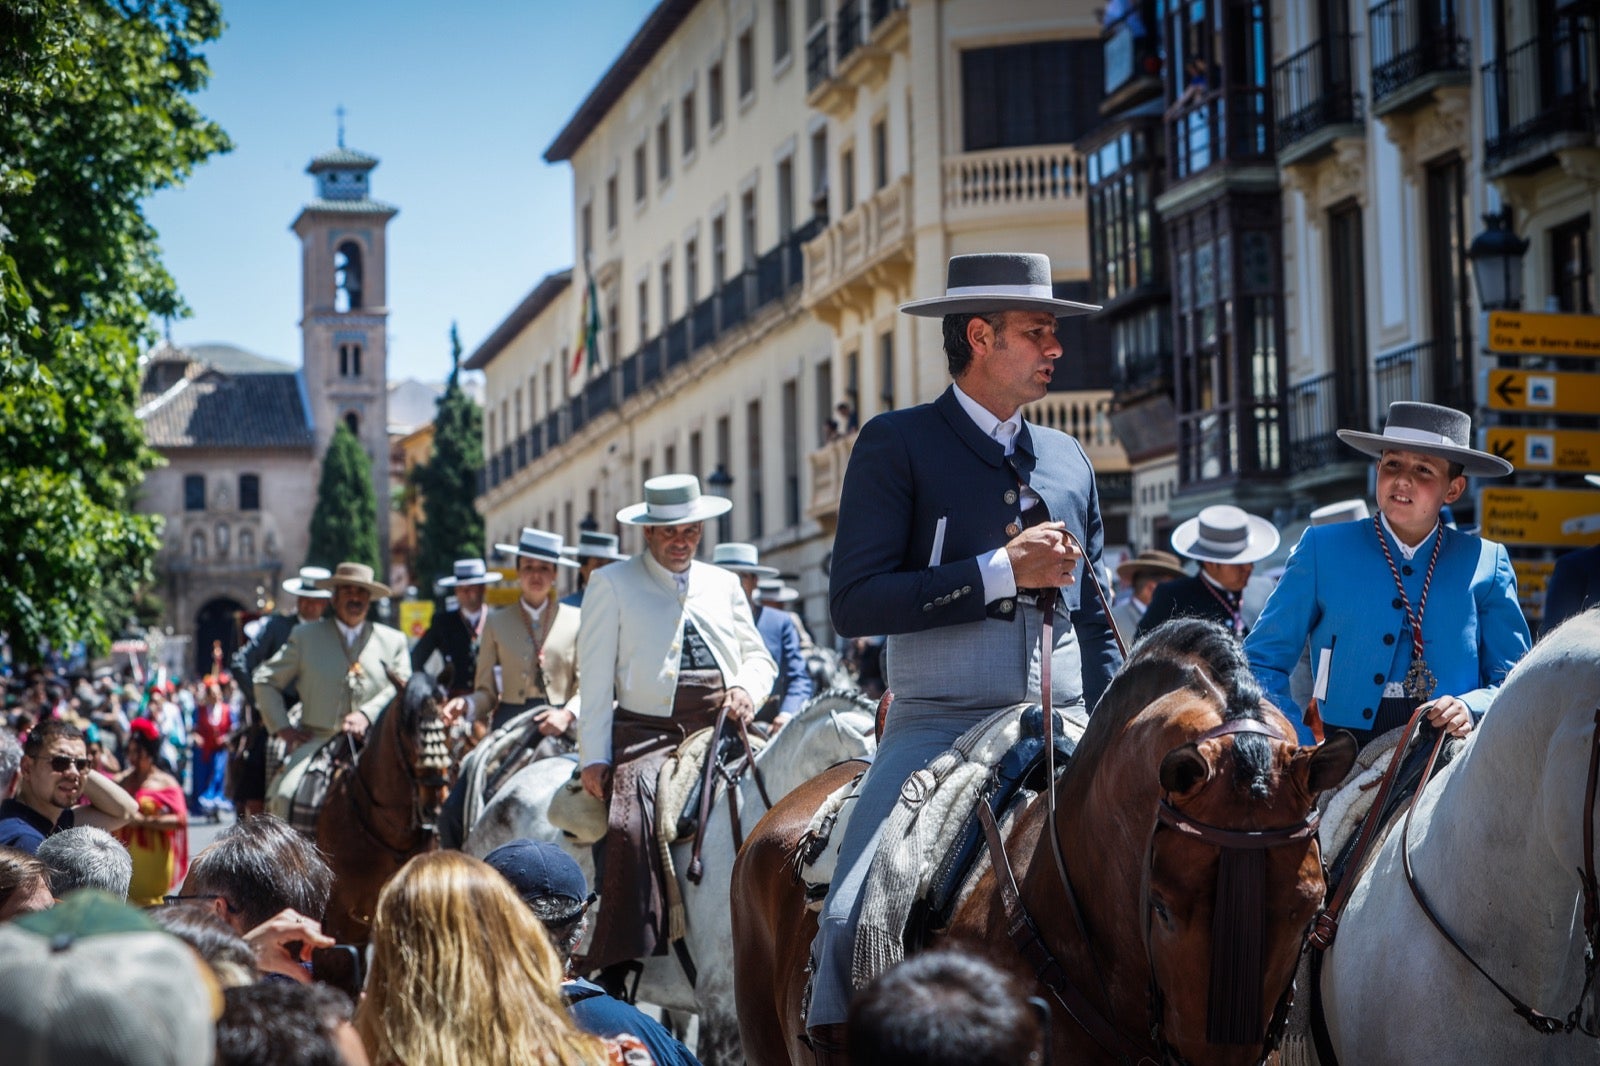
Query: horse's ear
x=1330 y=762
x=1184 y=769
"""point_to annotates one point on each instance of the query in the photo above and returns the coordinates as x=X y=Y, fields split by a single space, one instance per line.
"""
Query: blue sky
x=458 y=100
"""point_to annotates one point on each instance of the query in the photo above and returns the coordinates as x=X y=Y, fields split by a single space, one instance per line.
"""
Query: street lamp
x=720 y=483
x=588 y=525
x=1496 y=256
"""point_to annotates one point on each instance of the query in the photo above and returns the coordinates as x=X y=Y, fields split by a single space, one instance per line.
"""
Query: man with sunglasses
x=55 y=773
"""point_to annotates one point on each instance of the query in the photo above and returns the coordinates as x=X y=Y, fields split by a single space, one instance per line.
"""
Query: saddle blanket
x=927 y=848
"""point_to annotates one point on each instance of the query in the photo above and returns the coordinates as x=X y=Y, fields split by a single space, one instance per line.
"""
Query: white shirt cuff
x=998 y=581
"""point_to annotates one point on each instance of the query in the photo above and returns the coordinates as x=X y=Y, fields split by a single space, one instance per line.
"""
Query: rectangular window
x=719 y=251
x=824 y=402
x=852 y=386
x=815 y=11
x=746 y=58
x=194 y=492
x=691 y=272
x=1044 y=92
x=1448 y=309
x=639 y=172
x=886 y=370
x=714 y=95
x=752 y=436
x=1347 y=290
x=747 y=227
x=613 y=333
x=785 y=198
x=696 y=456
x=666 y=292
x=645 y=474
x=669 y=459
x=1571 y=268
x=781 y=18
x=880 y=154
x=644 y=310
x=819 y=173
x=611 y=204
x=688 y=123
x=516 y=409
x=724 y=441
x=847 y=180
x=791 y=453
x=663 y=149
x=249 y=492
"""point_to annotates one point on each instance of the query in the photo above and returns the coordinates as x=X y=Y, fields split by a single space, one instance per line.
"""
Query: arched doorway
x=216 y=621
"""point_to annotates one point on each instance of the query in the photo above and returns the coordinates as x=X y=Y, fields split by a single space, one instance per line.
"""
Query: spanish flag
x=588 y=339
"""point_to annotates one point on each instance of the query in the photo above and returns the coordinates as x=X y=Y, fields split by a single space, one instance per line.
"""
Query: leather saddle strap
x=1326 y=927
x=755 y=769
x=708 y=789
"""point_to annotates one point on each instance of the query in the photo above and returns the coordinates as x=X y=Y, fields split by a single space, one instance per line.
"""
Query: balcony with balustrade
x=1542 y=98
x=1315 y=99
x=827 y=465
x=1004 y=186
x=1417 y=49
x=869 y=247
x=1085 y=415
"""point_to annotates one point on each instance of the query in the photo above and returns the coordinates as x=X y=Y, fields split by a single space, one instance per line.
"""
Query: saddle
x=931 y=847
x=494 y=760
x=336 y=753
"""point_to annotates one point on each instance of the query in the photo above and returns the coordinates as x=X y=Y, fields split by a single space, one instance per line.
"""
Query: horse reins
x=1024 y=932
x=708 y=789
x=1541 y=1022
x=418 y=826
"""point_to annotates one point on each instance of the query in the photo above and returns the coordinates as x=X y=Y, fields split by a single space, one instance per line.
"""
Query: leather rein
x=419 y=827
x=1025 y=933
x=708 y=789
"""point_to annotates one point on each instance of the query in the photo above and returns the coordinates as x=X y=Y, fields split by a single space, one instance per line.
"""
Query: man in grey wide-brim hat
x=1406 y=611
x=593 y=550
x=1227 y=543
x=341 y=666
x=960 y=524
x=666 y=644
x=247 y=761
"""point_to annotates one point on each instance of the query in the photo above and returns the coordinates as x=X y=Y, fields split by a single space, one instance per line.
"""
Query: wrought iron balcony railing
x=1314 y=89
x=1542 y=88
x=1412 y=39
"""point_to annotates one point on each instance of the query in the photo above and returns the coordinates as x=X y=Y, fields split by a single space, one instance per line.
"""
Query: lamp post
x=588 y=525
x=1496 y=256
x=720 y=483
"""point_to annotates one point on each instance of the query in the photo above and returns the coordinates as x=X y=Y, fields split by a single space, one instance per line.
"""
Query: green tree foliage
x=344 y=526
x=95 y=116
x=451 y=527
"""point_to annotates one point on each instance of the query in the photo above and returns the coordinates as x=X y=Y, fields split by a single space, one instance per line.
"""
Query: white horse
x=832 y=727
x=1495 y=844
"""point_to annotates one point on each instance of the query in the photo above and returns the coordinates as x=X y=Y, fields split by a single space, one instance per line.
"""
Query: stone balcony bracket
x=867 y=250
x=1336 y=175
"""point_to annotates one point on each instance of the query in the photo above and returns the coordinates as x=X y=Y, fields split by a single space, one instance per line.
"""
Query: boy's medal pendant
x=1419 y=682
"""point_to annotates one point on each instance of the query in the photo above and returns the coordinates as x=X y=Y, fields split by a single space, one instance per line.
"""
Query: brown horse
x=381 y=810
x=1185 y=830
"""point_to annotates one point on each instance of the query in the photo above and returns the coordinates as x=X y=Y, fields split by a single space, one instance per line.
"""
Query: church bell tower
x=344 y=311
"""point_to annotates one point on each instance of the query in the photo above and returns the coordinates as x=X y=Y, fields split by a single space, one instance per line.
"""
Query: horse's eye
x=1161 y=911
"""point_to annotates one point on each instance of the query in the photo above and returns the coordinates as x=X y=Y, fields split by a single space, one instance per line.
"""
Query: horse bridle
x=1546 y=1024
x=433 y=776
x=1025 y=934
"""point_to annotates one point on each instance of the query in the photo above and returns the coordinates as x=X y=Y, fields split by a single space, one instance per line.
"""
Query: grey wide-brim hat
x=1225 y=534
x=997 y=281
x=305 y=583
x=1432 y=430
x=538 y=544
x=741 y=558
x=673 y=500
x=595 y=545
x=470 y=572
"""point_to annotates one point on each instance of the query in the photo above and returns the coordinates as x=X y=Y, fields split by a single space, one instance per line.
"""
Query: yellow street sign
x=1562 y=518
x=1539 y=333
x=1526 y=449
x=1532 y=577
x=1544 y=391
x=415 y=617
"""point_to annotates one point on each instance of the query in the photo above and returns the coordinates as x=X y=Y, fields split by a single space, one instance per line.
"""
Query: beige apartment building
x=757 y=186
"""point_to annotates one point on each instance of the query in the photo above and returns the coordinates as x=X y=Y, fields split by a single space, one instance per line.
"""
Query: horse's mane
x=417 y=691
x=854 y=701
x=1185 y=653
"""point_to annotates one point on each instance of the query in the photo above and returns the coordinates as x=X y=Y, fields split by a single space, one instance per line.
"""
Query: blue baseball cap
x=538 y=869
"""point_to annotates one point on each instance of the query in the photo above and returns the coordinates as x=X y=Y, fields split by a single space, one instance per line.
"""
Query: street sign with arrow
x=1577 y=450
x=1543 y=391
x=1561 y=518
